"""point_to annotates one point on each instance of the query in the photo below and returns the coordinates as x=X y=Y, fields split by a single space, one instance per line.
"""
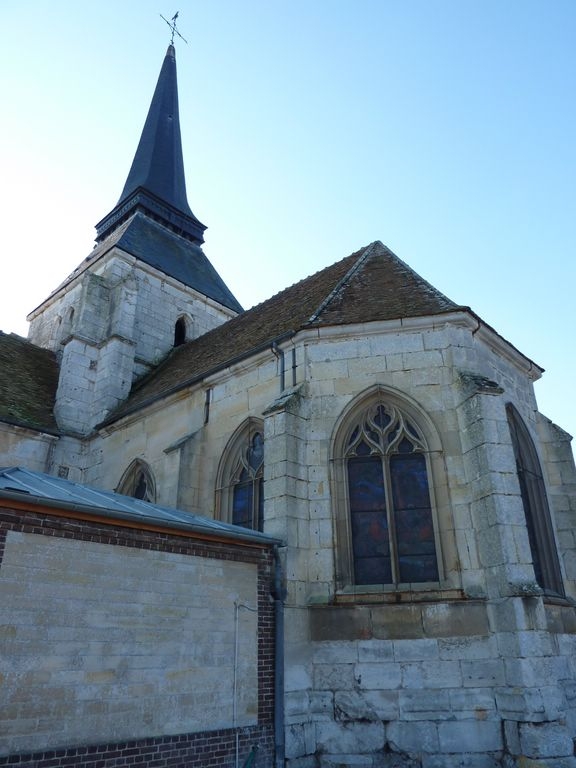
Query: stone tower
x=146 y=287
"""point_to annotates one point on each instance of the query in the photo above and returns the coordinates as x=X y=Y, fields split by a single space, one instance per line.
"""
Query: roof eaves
x=28 y=425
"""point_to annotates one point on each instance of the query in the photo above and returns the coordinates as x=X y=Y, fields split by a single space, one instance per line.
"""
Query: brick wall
x=95 y=686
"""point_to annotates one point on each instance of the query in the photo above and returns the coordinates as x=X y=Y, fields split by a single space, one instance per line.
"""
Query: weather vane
x=172 y=25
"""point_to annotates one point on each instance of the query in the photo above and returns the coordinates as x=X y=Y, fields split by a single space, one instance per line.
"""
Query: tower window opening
x=179 y=332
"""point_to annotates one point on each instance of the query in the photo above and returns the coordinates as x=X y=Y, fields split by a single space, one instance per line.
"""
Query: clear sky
x=444 y=128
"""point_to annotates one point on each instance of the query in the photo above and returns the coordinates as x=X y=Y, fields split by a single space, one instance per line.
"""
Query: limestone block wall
x=118 y=641
x=431 y=686
x=182 y=448
x=560 y=471
x=21 y=447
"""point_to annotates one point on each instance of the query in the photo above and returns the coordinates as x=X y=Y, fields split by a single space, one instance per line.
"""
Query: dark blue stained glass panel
x=409 y=481
x=370 y=534
x=414 y=531
x=369 y=524
x=366 y=484
x=242 y=504
x=372 y=570
x=417 y=569
x=417 y=560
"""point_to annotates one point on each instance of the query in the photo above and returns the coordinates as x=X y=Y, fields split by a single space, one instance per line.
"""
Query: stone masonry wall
x=119 y=643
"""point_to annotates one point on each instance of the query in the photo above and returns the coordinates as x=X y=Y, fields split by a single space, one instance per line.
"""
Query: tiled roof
x=369 y=285
x=28 y=382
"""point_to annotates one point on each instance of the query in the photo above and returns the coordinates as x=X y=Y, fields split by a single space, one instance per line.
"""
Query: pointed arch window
x=240 y=492
x=535 y=502
x=388 y=530
x=138 y=482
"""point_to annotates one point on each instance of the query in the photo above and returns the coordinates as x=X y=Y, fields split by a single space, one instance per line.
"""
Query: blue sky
x=444 y=128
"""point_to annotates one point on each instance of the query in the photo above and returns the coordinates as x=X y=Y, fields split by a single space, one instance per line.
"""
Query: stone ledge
x=394 y=622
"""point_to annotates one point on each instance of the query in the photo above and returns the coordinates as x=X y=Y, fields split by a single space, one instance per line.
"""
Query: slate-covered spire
x=156 y=184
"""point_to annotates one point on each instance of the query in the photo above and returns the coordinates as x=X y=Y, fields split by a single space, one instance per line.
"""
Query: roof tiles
x=369 y=285
x=28 y=382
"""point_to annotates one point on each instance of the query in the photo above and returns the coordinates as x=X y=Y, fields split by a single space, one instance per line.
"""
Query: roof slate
x=28 y=382
x=369 y=285
x=154 y=244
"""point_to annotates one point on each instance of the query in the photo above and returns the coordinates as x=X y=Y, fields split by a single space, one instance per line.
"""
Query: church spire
x=156 y=184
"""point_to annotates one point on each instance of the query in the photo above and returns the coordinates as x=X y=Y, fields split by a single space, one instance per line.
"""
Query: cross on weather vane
x=172 y=25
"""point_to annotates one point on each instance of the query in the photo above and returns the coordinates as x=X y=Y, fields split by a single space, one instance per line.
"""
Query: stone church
x=385 y=441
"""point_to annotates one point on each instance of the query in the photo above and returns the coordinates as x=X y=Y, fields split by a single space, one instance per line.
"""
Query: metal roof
x=19 y=484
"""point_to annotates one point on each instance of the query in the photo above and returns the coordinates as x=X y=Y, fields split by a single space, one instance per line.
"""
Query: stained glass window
x=247 y=482
x=138 y=482
x=535 y=502
x=391 y=523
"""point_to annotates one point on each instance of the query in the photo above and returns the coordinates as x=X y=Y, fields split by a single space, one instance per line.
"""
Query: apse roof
x=28 y=382
x=40 y=489
x=369 y=285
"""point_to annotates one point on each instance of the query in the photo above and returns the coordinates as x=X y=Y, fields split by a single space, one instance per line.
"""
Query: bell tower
x=146 y=286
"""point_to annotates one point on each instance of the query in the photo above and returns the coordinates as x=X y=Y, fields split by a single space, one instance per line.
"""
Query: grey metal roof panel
x=20 y=483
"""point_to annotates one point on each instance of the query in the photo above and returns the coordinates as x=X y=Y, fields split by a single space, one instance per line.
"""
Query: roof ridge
x=343 y=281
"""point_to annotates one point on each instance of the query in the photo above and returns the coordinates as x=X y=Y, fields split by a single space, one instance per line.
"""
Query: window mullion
x=390 y=519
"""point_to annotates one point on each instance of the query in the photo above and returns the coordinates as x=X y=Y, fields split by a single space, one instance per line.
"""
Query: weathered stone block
x=413 y=738
x=441 y=674
x=545 y=740
x=455 y=619
x=329 y=623
x=415 y=650
x=350 y=738
x=397 y=621
x=375 y=650
x=462 y=761
x=385 y=676
x=470 y=736
x=335 y=653
x=483 y=673
x=331 y=677
x=425 y=705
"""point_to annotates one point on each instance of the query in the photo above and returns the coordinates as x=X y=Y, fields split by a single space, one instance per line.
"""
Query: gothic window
x=536 y=509
x=138 y=482
x=240 y=497
x=387 y=528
